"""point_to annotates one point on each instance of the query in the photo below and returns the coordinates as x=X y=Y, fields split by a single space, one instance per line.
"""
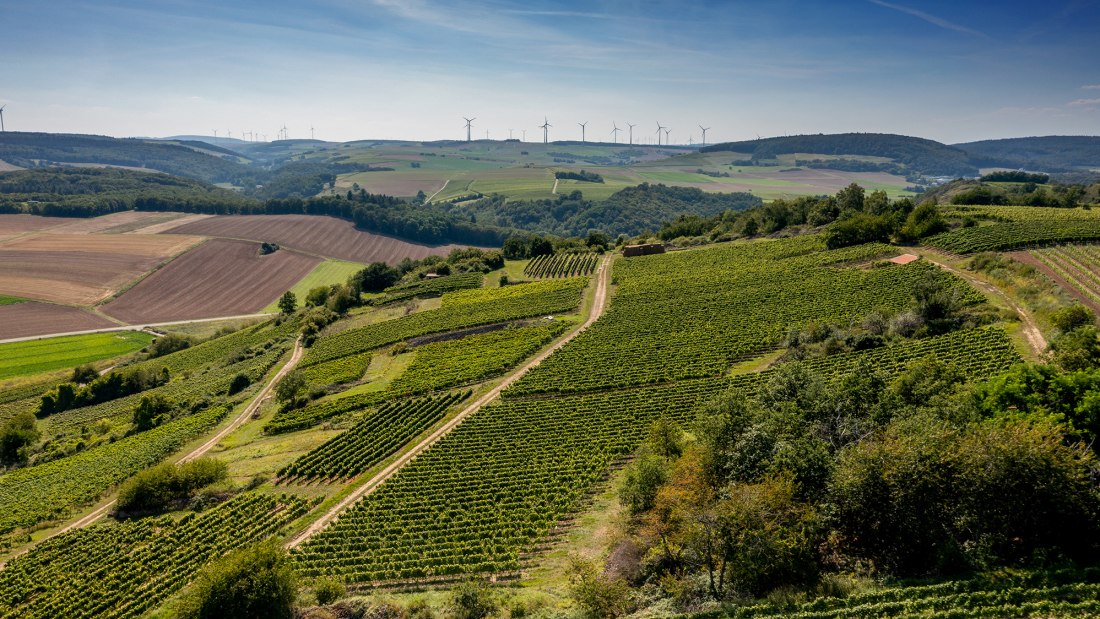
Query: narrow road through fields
x=1031 y=330
x=555 y=189
x=432 y=197
x=201 y=450
x=137 y=327
x=599 y=304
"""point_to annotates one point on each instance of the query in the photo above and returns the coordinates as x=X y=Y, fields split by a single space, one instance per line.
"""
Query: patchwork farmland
x=219 y=278
x=81 y=269
x=318 y=235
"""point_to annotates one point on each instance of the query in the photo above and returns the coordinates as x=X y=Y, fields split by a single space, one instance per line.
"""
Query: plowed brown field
x=315 y=234
x=116 y=223
x=30 y=318
x=11 y=225
x=80 y=269
x=219 y=278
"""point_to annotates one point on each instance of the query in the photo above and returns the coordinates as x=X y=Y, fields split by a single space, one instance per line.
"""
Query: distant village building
x=643 y=250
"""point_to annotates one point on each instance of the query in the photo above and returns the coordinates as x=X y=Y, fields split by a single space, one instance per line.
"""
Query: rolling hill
x=1052 y=153
x=920 y=155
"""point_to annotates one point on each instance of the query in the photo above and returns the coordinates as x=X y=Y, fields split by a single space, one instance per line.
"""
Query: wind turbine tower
x=631 y=132
x=469 y=123
x=705 y=129
x=667 y=133
x=2 y=129
x=582 y=125
x=215 y=134
x=311 y=132
x=659 y=130
x=545 y=133
x=615 y=132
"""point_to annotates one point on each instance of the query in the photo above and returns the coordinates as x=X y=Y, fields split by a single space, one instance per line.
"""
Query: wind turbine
x=615 y=132
x=2 y=117
x=215 y=134
x=545 y=133
x=509 y=134
x=582 y=125
x=659 y=129
x=631 y=133
x=667 y=133
x=705 y=129
x=469 y=123
x=311 y=132
x=524 y=134
x=229 y=133
x=286 y=136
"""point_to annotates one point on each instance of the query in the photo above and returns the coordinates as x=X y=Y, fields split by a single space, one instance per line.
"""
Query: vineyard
x=372 y=440
x=490 y=490
x=1015 y=227
x=741 y=302
x=48 y=491
x=1077 y=264
x=562 y=265
x=126 y=569
x=465 y=308
x=338 y=371
x=430 y=287
x=436 y=366
x=452 y=363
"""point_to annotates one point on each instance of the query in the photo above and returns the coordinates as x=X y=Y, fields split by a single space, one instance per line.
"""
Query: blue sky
x=397 y=69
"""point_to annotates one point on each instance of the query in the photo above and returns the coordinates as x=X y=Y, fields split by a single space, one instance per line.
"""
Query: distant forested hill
x=88 y=192
x=916 y=154
x=630 y=211
x=32 y=150
x=1052 y=153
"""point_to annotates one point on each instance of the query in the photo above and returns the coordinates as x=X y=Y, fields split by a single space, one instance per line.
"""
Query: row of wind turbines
x=252 y=136
x=545 y=126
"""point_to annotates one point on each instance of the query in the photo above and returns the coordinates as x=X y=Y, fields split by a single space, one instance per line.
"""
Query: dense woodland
x=630 y=211
x=1056 y=153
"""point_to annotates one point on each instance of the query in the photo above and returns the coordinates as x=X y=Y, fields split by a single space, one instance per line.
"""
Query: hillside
x=31 y=150
x=1052 y=153
x=919 y=155
x=84 y=192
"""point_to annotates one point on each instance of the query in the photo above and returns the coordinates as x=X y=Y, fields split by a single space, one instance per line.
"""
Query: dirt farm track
x=314 y=234
x=219 y=278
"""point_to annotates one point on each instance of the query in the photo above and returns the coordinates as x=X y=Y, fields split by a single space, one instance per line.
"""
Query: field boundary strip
x=1032 y=334
x=197 y=452
x=599 y=304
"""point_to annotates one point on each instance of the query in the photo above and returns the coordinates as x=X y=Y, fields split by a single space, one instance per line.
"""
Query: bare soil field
x=315 y=234
x=7 y=167
x=219 y=278
x=11 y=225
x=157 y=228
x=31 y=318
x=117 y=223
x=81 y=269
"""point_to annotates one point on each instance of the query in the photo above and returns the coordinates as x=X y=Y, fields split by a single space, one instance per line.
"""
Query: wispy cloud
x=932 y=19
x=1085 y=103
x=1091 y=87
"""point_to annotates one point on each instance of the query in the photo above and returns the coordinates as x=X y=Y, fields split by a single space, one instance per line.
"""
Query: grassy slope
x=6 y=300
x=33 y=357
x=325 y=274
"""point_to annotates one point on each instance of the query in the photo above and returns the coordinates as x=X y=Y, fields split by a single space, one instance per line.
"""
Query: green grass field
x=325 y=274
x=36 y=356
x=6 y=300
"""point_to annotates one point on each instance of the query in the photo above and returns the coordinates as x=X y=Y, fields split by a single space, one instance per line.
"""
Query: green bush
x=857 y=229
x=328 y=590
x=167 y=485
x=1069 y=318
x=256 y=582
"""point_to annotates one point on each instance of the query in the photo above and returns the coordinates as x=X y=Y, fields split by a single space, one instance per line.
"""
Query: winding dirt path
x=599 y=304
x=1031 y=330
x=199 y=451
x=439 y=191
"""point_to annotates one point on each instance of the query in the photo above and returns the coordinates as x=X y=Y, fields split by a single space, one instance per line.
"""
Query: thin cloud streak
x=932 y=19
